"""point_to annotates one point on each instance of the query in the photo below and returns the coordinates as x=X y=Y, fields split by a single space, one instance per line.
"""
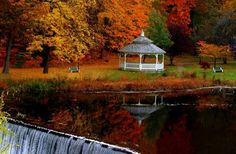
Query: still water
x=153 y=123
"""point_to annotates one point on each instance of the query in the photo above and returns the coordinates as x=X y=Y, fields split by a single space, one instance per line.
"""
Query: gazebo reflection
x=141 y=110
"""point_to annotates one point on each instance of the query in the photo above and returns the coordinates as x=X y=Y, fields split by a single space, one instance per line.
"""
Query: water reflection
x=147 y=123
x=142 y=109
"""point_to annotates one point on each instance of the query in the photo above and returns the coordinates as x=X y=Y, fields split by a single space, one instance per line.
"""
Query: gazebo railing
x=138 y=66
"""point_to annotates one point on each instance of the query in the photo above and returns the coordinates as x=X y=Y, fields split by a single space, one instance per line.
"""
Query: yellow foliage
x=62 y=25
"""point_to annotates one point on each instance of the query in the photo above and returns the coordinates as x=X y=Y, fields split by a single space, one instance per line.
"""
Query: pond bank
x=159 y=85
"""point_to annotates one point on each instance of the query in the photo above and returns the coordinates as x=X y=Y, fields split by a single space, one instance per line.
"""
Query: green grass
x=185 y=66
x=228 y=74
x=114 y=74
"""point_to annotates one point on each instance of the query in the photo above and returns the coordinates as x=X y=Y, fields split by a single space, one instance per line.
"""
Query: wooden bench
x=73 y=69
x=217 y=69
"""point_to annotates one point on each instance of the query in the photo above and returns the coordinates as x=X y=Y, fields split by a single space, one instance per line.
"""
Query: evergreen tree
x=158 y=32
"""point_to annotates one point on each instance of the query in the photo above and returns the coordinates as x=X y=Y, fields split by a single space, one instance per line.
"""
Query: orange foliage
x=121 y=21
x=179 y=13
x=213 y=50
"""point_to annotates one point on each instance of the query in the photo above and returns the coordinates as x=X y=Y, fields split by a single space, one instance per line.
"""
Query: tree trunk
x=224 y=60
x=101 y=54
x=214 y=62
x=171 y=60
x=8 y=54
x=200 y=60
x=45 y=62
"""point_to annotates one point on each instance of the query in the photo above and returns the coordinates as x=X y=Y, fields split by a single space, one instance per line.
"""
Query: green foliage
x=20 y=59
x=224 y=30
x=204 y=18
x=3 y=126
x=35 y=85
x=157 y=30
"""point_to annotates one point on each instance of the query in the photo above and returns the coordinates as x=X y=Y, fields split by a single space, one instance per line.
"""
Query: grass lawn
x=185 y=67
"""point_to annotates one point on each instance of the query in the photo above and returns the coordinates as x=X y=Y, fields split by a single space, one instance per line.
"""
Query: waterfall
x=30 y=139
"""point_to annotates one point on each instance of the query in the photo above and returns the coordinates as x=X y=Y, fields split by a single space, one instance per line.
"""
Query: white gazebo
x=141 y=46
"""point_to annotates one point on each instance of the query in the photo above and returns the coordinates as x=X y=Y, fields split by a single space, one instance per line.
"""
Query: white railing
x=146 y=66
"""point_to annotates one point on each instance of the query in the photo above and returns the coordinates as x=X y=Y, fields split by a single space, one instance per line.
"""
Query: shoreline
x=160 y=85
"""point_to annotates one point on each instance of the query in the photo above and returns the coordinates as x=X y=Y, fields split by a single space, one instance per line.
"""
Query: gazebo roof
x=142 y=45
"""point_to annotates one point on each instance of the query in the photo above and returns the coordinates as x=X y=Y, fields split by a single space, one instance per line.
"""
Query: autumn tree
x=179 y=26
x=61 y=30
x=213 y=51
x=120 y=21
x=179 y=14
x=13 y=23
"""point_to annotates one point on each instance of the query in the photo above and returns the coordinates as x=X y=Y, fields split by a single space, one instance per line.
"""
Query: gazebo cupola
x=142 y=46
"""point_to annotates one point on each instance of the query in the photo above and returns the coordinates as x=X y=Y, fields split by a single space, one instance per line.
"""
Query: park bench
x=217 y=69
x=73 y=69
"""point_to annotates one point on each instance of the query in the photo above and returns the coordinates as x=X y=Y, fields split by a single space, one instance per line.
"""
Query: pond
x=147 y=123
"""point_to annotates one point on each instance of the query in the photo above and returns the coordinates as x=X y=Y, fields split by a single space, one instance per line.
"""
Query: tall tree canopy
x=179 y=14
x=224 y=30
x=204 y=18
x=13 y=23
x=60 y=29
x=158 y=31
x=120 y=21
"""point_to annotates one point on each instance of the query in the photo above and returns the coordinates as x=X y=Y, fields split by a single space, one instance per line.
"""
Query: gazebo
x=142 y=46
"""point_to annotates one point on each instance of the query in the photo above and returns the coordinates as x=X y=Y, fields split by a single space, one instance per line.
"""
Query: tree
x=224 y=29
x=158 y=31
x=204 y=17
x=179 y=25
x=213 y=51
x=61 y=30
x=13 y=23
x=120 y=21
x=179 y=14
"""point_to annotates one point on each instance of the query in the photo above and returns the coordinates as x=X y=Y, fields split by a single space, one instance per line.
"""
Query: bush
x=35 y=85
x=205 y=64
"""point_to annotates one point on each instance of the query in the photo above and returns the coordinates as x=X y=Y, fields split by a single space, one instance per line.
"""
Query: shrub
x=205 y=64
x=35 y=85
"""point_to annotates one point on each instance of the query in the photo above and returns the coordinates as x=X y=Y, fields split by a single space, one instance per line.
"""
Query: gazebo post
x=125 y=62
x=156 y=61
x=155 y=101
x=140 y=61
x=163 y=61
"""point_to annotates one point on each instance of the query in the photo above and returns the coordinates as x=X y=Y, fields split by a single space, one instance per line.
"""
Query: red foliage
x=204 y=64
x=123 y=128
x=176 y=139
x=179 y=14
